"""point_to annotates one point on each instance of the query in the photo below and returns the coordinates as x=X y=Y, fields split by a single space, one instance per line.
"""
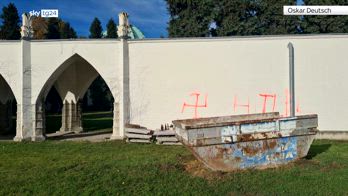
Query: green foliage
x=95 y=29
x=10 y=28
x=111 y=29
x=58 y=29
x=237 y=17
x=190 y=18
x=271 y=20
x=116 y=168
x=100 y=96
x=325 y=24
x=53 y=29
x=66 y=31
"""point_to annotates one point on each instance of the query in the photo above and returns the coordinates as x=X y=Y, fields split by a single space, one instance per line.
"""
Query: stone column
x=71 y=117
x=117 y=132
x=121 y=105
x=26 y=111
x=19 y=123
x=40 y=127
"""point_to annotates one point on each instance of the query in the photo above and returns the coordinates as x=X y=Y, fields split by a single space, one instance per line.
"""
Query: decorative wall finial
x=27 y=31
x=123 y=27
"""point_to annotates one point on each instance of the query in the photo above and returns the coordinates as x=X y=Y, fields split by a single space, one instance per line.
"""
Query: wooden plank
x=139 y=136
x=140 y=131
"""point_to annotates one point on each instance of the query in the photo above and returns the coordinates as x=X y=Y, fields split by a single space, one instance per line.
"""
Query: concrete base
x=116 y=137
x=38 y=138
x=75 y=130
x=332 y=135
x=78 y=130
x=20 y=139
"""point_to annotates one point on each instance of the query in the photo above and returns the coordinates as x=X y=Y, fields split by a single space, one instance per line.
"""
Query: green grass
x=90 y=121
x=112 y=168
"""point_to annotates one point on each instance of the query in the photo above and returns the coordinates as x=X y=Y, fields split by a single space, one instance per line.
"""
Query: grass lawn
x=90 y=121
x=66 y=168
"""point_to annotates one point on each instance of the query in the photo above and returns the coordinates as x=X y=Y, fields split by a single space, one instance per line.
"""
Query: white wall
x=165 y=72
x=47 y=56
x=10 y=66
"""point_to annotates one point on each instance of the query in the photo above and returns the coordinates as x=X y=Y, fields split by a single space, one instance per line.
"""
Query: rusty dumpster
x=247 y=141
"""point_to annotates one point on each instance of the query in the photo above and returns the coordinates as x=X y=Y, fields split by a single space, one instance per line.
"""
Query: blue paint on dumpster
x=261 y=153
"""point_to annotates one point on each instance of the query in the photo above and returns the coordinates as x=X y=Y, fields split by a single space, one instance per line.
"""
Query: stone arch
x=7 y=101
x=61 y=68
x=71 y=79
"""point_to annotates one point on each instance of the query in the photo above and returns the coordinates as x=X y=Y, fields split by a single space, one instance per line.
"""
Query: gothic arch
x=71 y=79
x=7 y=101
x=63 y=67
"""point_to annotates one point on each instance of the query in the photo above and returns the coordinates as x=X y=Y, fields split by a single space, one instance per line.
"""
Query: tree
x=100 y=95
x=230 y=17
x=10 y=28
x=190 y=18
x=66 y=31
x=271 y=20
x=40 y=28
x=95 y=29
x=72 y=33
x=53 y=29
x=237 y=17
x=255 y=17
x=325 y=24
x=111 y=29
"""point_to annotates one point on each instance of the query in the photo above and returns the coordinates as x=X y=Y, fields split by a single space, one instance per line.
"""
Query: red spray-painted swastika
x=196 y=105
x=266 y=96
x=235 y=105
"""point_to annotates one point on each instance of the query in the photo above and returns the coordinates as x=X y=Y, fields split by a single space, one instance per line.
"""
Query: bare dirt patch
x=198 y=169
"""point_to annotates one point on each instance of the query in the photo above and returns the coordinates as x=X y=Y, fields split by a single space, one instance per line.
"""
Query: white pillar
x=71 y=117
x=121 y=105
x=39 y=124
x=25 y=110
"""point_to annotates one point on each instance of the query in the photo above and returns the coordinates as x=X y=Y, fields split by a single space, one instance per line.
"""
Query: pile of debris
x=166 y=136
x=138 y=134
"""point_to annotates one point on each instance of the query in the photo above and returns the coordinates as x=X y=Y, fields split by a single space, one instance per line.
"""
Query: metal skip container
x=257 y=141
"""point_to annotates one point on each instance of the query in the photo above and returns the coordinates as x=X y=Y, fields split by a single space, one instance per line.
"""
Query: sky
x=150 y=16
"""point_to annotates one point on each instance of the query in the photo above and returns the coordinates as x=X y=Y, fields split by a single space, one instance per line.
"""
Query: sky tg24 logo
x=45 y=13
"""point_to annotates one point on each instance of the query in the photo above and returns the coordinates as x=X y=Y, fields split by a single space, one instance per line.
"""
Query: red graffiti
x=269 y=100
x=196 y=105
x=235 y=105
x=266 y=96
x=298 y=108
x=286 y=102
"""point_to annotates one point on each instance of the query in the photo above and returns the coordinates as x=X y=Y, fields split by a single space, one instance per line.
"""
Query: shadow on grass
x=317 y=149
